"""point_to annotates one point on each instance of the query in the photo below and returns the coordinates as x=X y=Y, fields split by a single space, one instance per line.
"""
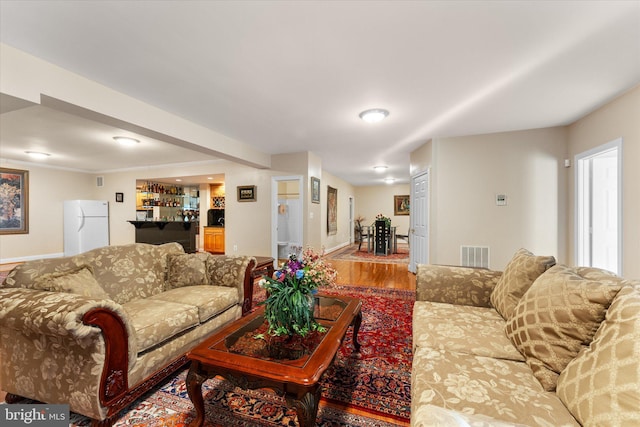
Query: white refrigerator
x=86 y=225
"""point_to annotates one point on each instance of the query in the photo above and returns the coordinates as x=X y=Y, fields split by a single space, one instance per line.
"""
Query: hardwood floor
x=375 y=275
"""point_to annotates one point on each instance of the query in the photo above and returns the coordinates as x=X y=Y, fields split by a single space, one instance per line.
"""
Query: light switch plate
x=501 y=199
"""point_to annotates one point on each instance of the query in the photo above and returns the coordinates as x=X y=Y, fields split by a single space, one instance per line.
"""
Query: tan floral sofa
x=535 y=345
x=97 y=330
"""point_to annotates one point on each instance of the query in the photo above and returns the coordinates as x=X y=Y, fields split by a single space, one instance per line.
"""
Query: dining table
x=391 y=241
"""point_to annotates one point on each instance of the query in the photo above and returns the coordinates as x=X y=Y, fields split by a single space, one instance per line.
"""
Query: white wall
x=619 y=118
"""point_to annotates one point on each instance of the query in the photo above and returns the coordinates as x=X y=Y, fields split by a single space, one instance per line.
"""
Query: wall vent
x=474 y=256
x=100 y=181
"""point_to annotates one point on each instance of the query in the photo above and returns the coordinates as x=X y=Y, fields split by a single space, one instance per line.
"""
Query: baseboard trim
x=336 y=248
x=29 y=258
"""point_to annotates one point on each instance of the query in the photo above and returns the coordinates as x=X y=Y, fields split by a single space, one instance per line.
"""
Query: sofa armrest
x=455 y=285
x=42 y=316
x=233 y=271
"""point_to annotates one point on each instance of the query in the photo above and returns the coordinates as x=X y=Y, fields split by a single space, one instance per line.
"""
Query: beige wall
x=248 y=224
x=345 y=192
x=48 y=188
x=466 y=175
x=618 y=119
x=374 y=200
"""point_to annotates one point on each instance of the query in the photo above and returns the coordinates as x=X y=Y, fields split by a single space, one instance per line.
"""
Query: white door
x=418 y=233
x=287 y=196
x=598 y=208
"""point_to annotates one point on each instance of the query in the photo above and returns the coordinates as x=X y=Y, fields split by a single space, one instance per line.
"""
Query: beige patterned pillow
x=187 y=270
x=77 y=281
x=557 y=316
x=602 y=385
x=523 y=269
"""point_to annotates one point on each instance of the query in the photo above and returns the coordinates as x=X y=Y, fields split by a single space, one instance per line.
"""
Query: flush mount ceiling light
x=126 y=141
x=374 y=115
x=389 y=180
x=37 y=154
x=380 y=168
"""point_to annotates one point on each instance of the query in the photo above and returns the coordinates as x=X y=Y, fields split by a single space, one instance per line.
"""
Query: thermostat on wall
x=501 y=199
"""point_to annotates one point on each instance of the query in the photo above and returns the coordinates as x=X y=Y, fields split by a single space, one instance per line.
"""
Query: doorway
x=599 y=207
x=419 y=211
x=287 y=217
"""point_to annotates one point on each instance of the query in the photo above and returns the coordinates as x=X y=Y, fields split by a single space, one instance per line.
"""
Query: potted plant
x=289 y=302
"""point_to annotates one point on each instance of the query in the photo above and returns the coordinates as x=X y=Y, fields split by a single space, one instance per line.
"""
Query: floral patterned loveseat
x=97 y=330
x=535 y=345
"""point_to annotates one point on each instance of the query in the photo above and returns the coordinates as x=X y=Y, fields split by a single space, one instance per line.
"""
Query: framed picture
x=247 y=193
x=332 y=210
x=315 y=190
x=119 y=197
x=401 y=205
x=14 y=201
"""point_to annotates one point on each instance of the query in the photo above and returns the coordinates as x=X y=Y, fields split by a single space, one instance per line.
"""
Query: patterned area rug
x=351 y=253
x=373 y=385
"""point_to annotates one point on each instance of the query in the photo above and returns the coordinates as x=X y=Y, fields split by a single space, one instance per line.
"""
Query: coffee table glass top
x=252 y=340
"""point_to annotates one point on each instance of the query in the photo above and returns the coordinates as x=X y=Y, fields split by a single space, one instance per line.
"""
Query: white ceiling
x=291 y=76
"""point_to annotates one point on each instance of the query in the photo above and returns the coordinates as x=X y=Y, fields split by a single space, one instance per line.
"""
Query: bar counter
x=159 y=232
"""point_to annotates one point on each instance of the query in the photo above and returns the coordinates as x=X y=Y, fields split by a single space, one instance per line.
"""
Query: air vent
x=474 y=256
x=100 y=181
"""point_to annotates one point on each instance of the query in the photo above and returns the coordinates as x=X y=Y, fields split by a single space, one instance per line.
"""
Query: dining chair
x=362 y=236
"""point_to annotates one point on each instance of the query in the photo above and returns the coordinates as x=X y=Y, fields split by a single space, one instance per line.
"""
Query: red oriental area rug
x=369 y=389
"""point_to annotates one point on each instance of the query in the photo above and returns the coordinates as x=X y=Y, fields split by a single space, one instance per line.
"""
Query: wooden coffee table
x=297 y=380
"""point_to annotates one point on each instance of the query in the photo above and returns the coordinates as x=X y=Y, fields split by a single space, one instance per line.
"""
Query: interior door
x=598 y=207
x=418 y=233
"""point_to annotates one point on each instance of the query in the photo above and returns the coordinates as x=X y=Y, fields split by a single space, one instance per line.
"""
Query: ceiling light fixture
x=126 y=141
x=380 y=168
x=389 y=180
x=374 y=115
x=37 y=154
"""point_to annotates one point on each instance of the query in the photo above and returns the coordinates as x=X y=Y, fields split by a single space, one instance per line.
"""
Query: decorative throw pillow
x=557 y=316
x=523 y=269
x=77 y=281
x=602 y=385
x=187 y=270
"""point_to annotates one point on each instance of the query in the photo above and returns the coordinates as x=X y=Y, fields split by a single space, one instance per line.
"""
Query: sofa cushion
x=435 y=416
x=501 y=389
x=156 y=321
x=462 y=328
x=210 y=300
x=186 y=270
x=602 y=384
x=557 y=316
x=130 y=272
x=79 y=281
x=519 y=274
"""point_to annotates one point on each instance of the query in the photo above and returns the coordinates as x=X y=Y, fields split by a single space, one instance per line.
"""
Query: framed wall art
x=401 y=205
x=315 y=190
x=14 y=201
x=332 y=210
x=247 y=193
x=119 y=197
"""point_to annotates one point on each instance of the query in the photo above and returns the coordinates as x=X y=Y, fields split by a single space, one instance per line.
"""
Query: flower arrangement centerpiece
x=386 y=219
x=289 y=302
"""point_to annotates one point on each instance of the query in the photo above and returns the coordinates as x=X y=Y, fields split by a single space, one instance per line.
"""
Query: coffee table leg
x=307 y=407
x=194 y=389
x=356 y=327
